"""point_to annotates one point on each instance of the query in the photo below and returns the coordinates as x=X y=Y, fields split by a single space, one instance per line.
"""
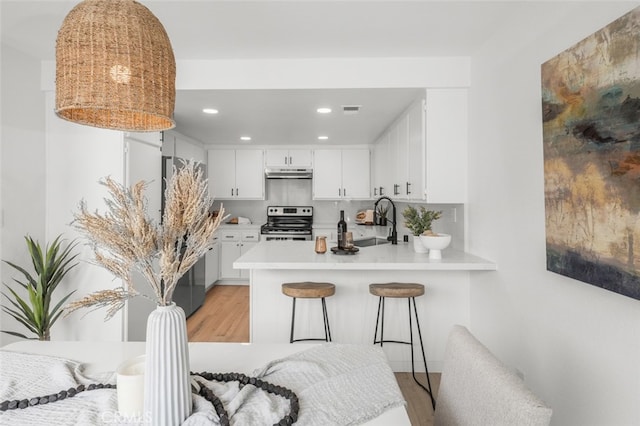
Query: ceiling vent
x=351 y=109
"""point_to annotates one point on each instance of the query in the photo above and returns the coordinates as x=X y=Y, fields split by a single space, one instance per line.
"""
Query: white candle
x=130 y=387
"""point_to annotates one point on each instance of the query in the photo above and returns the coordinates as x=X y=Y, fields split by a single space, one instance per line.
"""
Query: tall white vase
x=167 y=392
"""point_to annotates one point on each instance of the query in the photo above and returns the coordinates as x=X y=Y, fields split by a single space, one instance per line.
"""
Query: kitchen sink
x=372 y=241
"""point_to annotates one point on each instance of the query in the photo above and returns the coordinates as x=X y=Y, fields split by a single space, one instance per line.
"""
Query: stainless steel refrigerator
x=190 y=291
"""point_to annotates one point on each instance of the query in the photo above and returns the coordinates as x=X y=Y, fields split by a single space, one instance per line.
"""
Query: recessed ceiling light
x=245 y=138
x=323 y=138
x=210 y=110
x=323 y=110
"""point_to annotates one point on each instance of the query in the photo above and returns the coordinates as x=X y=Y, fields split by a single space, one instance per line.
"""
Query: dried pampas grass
x=125 y=238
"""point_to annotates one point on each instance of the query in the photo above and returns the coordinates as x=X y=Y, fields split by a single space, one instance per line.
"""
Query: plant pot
x=167 y=390
x=418 y=247
x=435 y=243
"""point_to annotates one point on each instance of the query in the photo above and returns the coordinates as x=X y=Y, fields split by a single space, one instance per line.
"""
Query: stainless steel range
x=288 y=223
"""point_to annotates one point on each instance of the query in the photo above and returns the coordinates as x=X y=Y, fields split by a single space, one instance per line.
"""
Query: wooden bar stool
x=409 y=291
x=309 y=290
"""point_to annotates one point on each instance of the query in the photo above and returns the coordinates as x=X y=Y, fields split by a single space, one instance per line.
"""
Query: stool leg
x=375 y=333
x=424 y=358
x=327 y=330
x=382 y=325
x=293 y=319
x=413 y=370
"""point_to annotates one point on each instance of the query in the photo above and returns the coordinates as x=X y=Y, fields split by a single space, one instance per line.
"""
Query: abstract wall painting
x=591 y=137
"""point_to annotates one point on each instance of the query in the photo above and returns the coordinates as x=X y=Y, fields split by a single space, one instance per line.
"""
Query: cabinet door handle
x=381 y=191
x=396 y=189
x=285 y=160
x=375 y=191
x=232 y=192
x=344 y=192
x=339 y=192
x=408 y=190
x=237 y=192
x=290 y=161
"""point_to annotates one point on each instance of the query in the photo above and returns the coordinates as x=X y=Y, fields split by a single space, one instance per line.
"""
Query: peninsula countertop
x=300 y=255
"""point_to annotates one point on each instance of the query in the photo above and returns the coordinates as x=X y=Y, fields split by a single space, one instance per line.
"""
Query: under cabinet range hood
x=286 y=173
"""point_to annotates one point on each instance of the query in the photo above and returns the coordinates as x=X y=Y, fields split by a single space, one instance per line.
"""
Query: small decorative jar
x=321 y=245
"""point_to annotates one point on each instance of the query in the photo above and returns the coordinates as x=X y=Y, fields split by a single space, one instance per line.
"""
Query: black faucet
x=394 y=232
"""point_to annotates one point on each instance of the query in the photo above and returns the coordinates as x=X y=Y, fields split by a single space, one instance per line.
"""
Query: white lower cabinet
x=212 y=265
x=234 y=243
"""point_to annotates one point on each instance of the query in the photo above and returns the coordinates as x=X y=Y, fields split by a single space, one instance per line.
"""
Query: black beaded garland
x=41 y=400
x=205 y=392
x=243 y=379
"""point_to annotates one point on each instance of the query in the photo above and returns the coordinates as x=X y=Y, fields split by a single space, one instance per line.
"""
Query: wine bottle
x=342 y=228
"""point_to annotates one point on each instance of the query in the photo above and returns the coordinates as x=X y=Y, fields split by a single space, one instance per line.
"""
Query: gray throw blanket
x=336 y=385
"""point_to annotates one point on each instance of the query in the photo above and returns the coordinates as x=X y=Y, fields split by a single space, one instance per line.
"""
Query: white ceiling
x=272 y=117
x=287 y=29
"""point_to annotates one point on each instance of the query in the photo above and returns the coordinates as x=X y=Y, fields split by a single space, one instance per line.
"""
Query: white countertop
x=240 y=227
x=301 y=255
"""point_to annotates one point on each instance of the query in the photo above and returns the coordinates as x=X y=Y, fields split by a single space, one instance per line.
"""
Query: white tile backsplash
x=298 y=192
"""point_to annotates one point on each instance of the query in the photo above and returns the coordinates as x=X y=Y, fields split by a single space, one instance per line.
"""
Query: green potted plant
x=419 y=222
x=50 y=266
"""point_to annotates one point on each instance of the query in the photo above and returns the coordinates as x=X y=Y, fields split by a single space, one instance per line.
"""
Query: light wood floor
x=224 y=317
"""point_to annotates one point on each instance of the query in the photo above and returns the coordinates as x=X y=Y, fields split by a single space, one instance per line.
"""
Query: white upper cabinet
x=392 y=180
x=446 y=147
x=414 y=186
x=401 y=180
x=341 y=174
x=422 y=155
x=379 y=164
x=327 y=174
x=356 y=173
x=288 y=158
x=222 y=173
x=236 y=174
x=249 y=174
x=408 y=182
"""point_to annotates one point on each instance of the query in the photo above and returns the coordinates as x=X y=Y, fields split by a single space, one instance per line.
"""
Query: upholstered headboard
x=478 y=389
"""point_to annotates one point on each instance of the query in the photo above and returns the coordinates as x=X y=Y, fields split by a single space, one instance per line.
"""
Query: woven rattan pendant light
x=115 y=67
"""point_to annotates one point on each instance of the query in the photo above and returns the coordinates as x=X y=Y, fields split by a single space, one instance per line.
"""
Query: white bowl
x=436 y=243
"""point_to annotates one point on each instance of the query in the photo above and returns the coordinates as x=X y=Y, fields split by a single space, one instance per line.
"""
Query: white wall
x=311 y=73
x=175 y=144
x=22 y=167
x=77 y=157
x=577 y=345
